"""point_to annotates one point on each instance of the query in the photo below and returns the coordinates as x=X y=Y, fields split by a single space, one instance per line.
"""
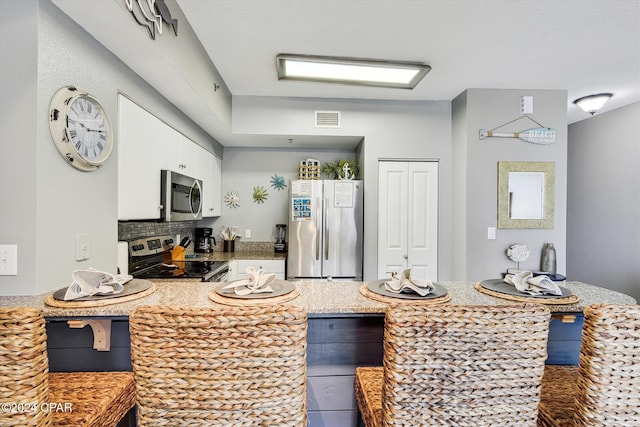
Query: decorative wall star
x=232 y=200
x=259 y=194
x=277 y=182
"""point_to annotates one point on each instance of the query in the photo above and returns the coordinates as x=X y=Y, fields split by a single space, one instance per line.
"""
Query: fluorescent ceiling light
x=405 y=75
x=592 y=103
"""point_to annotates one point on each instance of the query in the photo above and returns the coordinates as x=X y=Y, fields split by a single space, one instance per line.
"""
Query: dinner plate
x=498 y=285
x=280 y=287
x=377 y=287
x=133 y=286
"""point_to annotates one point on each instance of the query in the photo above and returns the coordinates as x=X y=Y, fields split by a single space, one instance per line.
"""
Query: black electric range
x=150 y=258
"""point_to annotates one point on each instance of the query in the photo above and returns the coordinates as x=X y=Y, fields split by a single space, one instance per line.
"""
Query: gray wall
x=603 y=230
x=475 y=178
x=44 y=202
x=244 y=169
x=391 y=130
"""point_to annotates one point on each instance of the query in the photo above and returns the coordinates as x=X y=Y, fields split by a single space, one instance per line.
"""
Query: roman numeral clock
x=80 y=128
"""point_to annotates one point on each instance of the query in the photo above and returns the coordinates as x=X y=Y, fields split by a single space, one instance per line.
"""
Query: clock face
x=86 y=128
x=80 y=128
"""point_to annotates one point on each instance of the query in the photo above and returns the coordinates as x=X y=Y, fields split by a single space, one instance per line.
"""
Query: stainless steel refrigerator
x=325 y=229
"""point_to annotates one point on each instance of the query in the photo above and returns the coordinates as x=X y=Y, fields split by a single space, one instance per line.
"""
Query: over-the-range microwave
x=181 y=197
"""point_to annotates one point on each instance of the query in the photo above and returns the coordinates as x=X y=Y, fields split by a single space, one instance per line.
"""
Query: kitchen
x=45 y=213
x=398 y=129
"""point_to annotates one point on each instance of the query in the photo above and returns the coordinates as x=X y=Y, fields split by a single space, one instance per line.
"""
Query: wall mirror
x=526 y=194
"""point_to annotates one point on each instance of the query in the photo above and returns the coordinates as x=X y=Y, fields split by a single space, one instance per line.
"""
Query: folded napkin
x=258 y=282
x=536 y=286
x=406 y=283
x=93 y=282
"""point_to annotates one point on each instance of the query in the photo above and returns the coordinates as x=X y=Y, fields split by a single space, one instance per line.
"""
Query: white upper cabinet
x=212 y=199
x=148 y=145
x=179 y=152
x=208 y=169
x=139 y=162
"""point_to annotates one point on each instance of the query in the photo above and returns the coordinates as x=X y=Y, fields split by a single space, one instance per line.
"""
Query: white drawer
x=267 y=265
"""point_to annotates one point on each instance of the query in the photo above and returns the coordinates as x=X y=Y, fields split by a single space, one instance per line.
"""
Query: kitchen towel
x=536 y=286
x=258 y=282
x=93 y=282
x=406 y=283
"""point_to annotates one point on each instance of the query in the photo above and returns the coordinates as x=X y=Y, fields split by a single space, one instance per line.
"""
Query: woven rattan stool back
x=608 y=391
x=232 y=366
x=24 y=367
x=461 y=366
x=27 y=388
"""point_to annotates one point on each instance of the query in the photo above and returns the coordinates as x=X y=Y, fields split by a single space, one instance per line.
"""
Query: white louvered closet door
x=408 y=218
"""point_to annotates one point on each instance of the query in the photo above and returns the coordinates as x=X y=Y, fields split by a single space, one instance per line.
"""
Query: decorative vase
x=548 y=260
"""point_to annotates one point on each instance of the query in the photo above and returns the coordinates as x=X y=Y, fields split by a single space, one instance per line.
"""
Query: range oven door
x=181 y=197
x=219 y=275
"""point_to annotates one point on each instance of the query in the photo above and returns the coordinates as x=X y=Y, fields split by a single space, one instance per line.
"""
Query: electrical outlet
x=8 y=260
x=247 y=233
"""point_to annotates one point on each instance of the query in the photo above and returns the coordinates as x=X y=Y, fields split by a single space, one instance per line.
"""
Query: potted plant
x=342 y=169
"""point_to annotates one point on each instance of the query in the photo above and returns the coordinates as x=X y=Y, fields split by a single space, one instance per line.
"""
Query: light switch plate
x=8 y=260
x=526 y=104
x=491 y=233
x=82 y=247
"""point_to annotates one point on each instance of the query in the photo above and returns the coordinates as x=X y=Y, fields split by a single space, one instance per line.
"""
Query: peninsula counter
x=345 y=330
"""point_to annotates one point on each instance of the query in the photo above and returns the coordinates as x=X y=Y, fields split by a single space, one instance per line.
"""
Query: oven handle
x=218 y=276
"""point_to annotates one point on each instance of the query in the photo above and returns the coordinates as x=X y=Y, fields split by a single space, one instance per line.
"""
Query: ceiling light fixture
x=392 y=74
x=592 y=103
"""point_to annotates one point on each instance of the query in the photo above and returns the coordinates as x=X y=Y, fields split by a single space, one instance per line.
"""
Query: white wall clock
x=80 y=128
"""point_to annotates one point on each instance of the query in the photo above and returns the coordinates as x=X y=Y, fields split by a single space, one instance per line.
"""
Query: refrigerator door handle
x=318 y=228
x=326 y=229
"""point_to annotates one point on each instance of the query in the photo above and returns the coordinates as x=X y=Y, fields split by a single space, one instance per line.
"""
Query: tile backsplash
x=128 y=230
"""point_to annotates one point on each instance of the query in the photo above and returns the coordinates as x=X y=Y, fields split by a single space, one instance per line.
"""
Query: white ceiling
x=582 y=46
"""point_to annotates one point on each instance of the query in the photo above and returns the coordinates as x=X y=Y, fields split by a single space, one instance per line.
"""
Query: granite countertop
x=319 y=297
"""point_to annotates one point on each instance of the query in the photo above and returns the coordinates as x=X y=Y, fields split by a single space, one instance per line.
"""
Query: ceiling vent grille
x=327 y=119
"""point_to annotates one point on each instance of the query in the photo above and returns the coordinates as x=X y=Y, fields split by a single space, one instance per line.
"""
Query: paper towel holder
x=123 y=258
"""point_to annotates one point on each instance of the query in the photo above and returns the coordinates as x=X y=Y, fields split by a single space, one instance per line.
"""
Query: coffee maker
x=281 y=233
x=205 y=241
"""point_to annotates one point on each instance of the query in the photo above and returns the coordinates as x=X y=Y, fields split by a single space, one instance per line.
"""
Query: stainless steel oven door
x=220 y=275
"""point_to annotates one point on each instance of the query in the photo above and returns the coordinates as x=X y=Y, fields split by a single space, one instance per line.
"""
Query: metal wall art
x=151 y=14
x=278 y=182
x=259 y=194
x=232 y=200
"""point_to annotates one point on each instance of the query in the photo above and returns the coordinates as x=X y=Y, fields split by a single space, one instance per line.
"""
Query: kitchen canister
x=229 y=245
x=548 y=260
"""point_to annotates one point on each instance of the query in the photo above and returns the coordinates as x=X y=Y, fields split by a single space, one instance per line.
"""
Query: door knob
x=405 y=256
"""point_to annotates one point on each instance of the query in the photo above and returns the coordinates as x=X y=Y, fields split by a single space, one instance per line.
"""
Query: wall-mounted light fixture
x=353 y=71
x=592 y=103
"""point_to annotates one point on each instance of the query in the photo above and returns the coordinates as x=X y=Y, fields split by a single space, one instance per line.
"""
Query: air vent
x=327 y=119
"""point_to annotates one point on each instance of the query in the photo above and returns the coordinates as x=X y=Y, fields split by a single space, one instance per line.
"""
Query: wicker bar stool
x=604 y=389
x=232 y=366
x=31 y=396
x=457 y=366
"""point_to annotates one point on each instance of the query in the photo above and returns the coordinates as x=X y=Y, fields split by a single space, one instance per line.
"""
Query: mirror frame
x=504 y=168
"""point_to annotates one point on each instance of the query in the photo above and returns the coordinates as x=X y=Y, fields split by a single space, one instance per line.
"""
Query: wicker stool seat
x=604 y=389
x=457 y=366
x=232 y=366
x=55 y=399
